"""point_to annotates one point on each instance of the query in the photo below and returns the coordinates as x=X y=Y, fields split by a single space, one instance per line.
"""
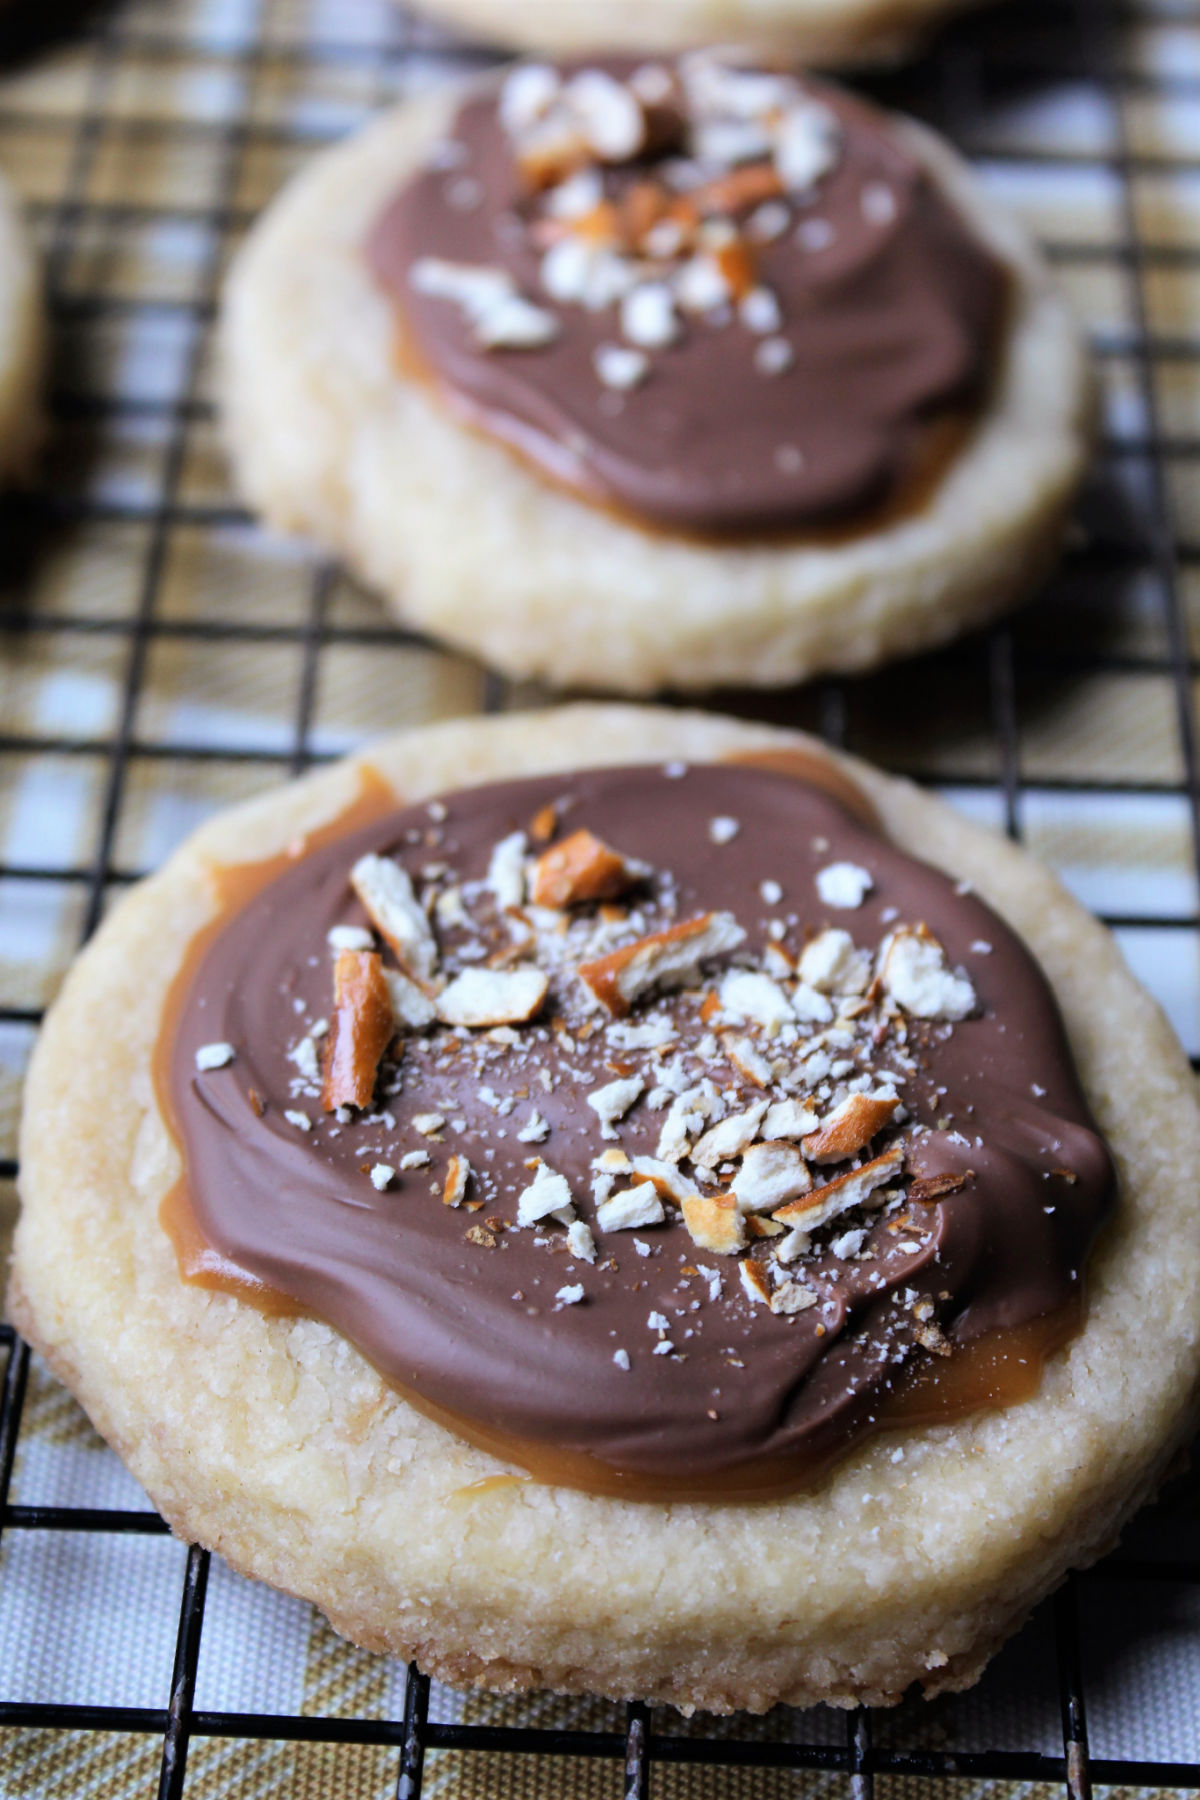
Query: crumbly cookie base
x=328 y=437
x=272 y=1441
x=820 y=33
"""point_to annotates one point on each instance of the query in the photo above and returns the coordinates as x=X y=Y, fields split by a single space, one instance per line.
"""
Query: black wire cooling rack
x=122 y=455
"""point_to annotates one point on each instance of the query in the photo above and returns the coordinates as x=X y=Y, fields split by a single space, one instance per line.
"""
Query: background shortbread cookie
x=272 y=1440
x=816 y=31
x=463 y=539
x=22 y=334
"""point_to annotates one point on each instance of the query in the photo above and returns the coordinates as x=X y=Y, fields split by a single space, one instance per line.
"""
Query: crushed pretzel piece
x=535 y=1130
x=769 y=1175
x=613 y=1101
x=631 y=1208
x=929 y=1189
x=592 y=117
x=748 y=995
x=360 y=1032
x=789 y=1119
x=458 y=1174
x=914 y=970
x=547 y=1197
x=714 y=1223
x=544 y=823
x=688 y=1112
x=582 y=867
x=744 y=187
x=930 y=1336
x=809 y=1005
x=349 y=937
x=831 y=964
x=506 y=871
x=844 y=1192
x=665 y=1176
x=619 y=368
x=729 y=1138
x=386 y=893
x=580 y=1241
x=794 y=1243
x=671 y=956
x=411 y=1005
x=747 y=1060
x=481 y=997
x=850 y=1127
x=499 y=315
x=844 y=885
x=792 y=1297
x=756 y=1283
x=759 y=1226
x=736 y=263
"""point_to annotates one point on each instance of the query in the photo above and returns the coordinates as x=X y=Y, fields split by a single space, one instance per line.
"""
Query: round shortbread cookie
x=466 y=541
x=817 y=32
x=22 y=332
x=272 y=1440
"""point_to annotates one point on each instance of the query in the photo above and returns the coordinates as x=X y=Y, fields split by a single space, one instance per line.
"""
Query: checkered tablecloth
x=160 y=657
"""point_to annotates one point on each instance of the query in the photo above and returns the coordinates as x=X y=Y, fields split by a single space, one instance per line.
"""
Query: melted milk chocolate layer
x=477 y=1317
x=890 y=313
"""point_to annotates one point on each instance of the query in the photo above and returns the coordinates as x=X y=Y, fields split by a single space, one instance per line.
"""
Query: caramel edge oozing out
x=940 y=443
x=235 y=885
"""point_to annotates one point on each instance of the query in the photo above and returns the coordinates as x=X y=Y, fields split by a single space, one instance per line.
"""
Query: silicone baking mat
x=160 y=657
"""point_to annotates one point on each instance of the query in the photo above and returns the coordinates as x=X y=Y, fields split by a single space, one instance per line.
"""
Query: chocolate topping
x=925 y=1125
x=752 y=321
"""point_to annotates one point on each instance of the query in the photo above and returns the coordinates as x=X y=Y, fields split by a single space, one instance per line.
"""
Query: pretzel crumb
x=929 y=1189
x=850 y=1127
x=479 y=998
x=714 y=1223
x=360 y=1032
x=756 y=1283
x=386 y=894
x=791 y=1297
x=665 y=957
x=581 y=868
x=458 y=1174
x=838 y=1196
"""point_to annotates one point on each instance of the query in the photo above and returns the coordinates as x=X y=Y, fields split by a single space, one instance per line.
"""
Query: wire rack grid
x=159 y=657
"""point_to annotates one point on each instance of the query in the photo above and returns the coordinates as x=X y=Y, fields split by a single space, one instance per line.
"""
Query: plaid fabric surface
x=161 y=657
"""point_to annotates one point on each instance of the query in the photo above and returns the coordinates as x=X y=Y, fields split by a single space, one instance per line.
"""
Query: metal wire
x=1022 y=44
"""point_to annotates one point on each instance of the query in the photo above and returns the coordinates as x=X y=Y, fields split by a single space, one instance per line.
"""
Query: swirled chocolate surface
x=656 y=1359
x=874 y=319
